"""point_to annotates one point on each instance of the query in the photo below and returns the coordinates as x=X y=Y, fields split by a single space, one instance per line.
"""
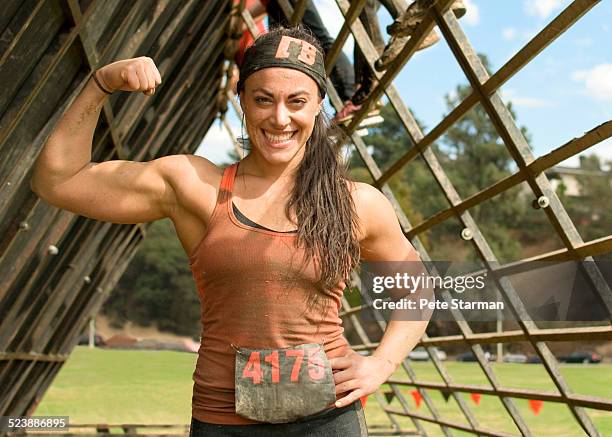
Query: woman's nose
x=281 y=115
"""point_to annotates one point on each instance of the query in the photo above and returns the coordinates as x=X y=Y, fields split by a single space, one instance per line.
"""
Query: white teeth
x=278 y=138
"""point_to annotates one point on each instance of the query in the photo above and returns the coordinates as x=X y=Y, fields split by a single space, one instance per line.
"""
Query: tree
x=157 y=287
x=477 y=158
x=411 y=186
x=473 y=157
x=591 y=211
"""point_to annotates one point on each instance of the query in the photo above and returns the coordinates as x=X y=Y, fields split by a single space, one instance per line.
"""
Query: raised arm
x=117 y=191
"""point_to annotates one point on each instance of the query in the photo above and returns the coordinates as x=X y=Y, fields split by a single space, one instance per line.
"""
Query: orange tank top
x=253 y=287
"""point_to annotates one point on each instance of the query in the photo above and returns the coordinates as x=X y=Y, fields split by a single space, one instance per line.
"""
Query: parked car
x=514 y=358
x=534 y=359
x=84 y=340
x=469 y=357
x=582 y=357
x=420 y=354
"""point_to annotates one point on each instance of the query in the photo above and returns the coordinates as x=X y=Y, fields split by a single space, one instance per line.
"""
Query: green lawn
x=117 y=386
x=114 y=386
x=554 y=419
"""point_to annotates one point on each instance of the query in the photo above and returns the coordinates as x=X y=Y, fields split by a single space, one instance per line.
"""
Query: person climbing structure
x=404 y=26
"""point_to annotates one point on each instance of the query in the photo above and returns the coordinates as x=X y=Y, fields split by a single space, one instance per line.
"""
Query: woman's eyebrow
x=298 y=92
x=292 y=95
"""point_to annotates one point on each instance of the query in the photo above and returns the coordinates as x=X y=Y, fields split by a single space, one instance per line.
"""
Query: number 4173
x=276 y=359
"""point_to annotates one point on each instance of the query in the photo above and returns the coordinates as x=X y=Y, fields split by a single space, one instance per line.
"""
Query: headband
x=286 y=52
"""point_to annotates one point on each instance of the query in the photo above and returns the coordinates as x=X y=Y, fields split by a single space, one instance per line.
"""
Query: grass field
x=114 y=386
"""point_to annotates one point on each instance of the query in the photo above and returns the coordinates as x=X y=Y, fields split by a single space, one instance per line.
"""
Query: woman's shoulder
x=372 y=207
x=199 y=163
x=364 y=194
x=192 y=175
x=186 y=166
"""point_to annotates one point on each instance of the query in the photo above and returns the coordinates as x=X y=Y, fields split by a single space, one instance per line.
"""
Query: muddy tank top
x=253 y=286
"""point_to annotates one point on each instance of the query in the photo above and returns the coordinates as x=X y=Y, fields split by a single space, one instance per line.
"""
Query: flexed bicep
x=118 y=191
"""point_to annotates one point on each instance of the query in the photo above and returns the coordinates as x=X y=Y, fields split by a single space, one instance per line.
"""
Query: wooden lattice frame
x=530 y=170
x=57 y=268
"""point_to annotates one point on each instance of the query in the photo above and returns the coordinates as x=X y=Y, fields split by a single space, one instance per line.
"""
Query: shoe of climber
x=396 y=44
x=346 y=113
x=372 y=117
x=405 y=24
x=356 y=101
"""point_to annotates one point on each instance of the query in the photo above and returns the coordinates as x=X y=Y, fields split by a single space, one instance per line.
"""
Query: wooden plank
x=28 y=50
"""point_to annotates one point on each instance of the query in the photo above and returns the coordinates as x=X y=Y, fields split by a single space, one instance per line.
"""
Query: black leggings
x=347 y=421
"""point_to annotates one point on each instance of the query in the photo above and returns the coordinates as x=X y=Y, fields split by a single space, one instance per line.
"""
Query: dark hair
x=320 y=199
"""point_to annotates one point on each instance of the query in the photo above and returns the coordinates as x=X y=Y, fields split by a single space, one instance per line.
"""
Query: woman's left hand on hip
x=359 y=375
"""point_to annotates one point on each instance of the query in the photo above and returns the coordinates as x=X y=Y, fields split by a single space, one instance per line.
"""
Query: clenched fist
x=136 y=74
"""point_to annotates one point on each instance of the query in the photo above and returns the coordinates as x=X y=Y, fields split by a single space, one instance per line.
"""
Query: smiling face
x=280 y=105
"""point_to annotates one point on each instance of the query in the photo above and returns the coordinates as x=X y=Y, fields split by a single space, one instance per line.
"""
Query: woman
x=270 y=240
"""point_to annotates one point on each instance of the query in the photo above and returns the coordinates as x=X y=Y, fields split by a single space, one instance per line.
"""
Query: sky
x=561 y=94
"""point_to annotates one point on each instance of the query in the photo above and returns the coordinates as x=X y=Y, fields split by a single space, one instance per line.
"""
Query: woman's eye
x=299 y=102
x=261 y=100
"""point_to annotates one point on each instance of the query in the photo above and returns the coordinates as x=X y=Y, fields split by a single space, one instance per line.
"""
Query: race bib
x=283 y=385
